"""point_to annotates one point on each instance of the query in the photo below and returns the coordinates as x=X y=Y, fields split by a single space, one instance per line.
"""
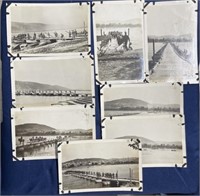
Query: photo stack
x=144 y=53
x=52 y=84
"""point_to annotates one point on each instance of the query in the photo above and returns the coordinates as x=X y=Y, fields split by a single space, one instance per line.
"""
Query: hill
x=83 y=160
x=33 y=129
x=98 y=161
x=186 y=37
x=20 y=27
x=122 y=23
x=133 y=104
x=125 y=103
x=142 y=139
x=33 y=86
x=148 y=141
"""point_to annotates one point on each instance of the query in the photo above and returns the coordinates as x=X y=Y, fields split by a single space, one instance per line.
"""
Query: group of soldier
x=102 y=174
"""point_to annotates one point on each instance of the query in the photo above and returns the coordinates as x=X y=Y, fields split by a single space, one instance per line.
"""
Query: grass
x=130 y=68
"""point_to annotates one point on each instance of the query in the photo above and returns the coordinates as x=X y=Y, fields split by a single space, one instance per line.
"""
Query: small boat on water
x=19 y=41
x=98 y=180
x=174 y=150
x=106 y=183
x=28 y=41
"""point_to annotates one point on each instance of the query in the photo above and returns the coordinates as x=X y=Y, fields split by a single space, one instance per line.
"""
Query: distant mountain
x=148 y=141
x=171 y=37
x=84 y=160
x=143 y=139
x=170 y=143
x=174 y=106
x=116 y=23
x=74 y=131
x=28 y=86
x=133 y=104
x=125 y=103
x=33 y=129
x=95 y=161
x=20 y=27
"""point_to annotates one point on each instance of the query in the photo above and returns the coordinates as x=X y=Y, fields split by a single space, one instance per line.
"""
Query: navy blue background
x=40 y=176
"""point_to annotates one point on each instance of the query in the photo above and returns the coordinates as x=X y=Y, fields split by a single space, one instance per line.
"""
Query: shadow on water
x=45 y=150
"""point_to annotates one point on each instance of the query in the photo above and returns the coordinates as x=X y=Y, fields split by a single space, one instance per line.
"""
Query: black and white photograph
x=172 y=41
x=42 y=29
x=52 y=82
x=85 y=166
x=141 y=99
x=119 y=41
x=162 y=137
x=36 y=131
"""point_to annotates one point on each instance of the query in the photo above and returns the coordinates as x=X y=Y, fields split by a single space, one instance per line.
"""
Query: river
x=46 y=150
x=71 y=182
x=33 y=101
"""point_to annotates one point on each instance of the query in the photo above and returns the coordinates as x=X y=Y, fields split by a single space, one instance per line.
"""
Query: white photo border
x=181 y=118
x=180 y=85
x=18 y=54
x=60 y=180
x=12 y=68
x=13 y=131
x=144 y=68
x=194 y=3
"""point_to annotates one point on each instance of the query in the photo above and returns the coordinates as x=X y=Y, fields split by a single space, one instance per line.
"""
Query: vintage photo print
x=100 y=165
x=52 y=81
x=119 y=41
x=172 y=41
x=35 y=131
x=48 y=29
x=162 y=137
x=141 y=99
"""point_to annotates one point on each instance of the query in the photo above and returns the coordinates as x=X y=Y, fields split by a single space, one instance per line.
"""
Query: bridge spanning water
x=106 y=181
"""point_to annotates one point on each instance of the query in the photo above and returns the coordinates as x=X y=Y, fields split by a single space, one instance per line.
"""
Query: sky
x=155 y=94
x=61 y=118
x=71 y=16
x=116 y=12
x=165 y=129
x=56 y=72
x=165 y=19
x=105 y=150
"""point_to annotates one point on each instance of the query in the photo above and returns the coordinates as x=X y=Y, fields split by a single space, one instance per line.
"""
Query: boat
x=98 y=180
x=19 y=41
x=106 y=183
x=28 y=41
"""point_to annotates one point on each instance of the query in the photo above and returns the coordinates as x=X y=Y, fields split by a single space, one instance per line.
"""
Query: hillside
x=126 y=103
x=20 y=27
x=132 y=104
x=97 y=161
x=142 y=139
x=186 y=37
x=33 y=86
x=83 y=160
x=148 y=141
x=116 y=23
x=33 y=129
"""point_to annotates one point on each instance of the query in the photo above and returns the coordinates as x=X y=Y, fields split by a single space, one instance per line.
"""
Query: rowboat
x=106 y=183
x=28 y=41
x=98 y=180
x=19 y=41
